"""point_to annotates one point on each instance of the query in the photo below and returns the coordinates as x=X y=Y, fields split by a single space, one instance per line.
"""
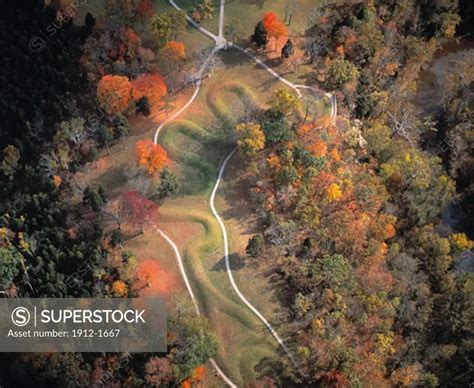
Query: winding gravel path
x=222 y=43
x=229 y=270
x=193 y=298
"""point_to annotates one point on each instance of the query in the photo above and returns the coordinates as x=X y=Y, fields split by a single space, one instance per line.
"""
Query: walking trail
x=222 y=43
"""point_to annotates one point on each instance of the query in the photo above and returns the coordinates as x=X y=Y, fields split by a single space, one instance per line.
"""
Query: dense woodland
x=349 y=211
x=56 y=238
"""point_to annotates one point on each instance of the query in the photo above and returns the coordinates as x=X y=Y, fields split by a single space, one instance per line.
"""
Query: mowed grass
x=245 y=14
x=197 y=143
x=205 y=130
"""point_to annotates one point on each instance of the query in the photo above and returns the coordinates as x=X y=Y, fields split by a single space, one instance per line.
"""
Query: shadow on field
x=114 y=179
x=236 y=263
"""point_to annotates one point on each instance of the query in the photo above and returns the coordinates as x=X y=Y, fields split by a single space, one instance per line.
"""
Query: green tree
x=122 y=128
x=283 y=101
x=260 y=35
x=287 y=50
x=255 y=246
x=116 y=238
x=104 y=136
x=334 y=272
x=168 y=183
x=339 y=73
x=275 y=127
x=418 y=185
x=10 y=260
x=168 y=26
x=67 y=370
x=196 y=344
x=96 y=199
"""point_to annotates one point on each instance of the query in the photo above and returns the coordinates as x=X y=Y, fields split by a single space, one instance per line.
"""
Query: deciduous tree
x=113 y=93
x=284 y=101
x=139 y=210
x=151 y=156
x=173 y=55
x=207 y=9
x=145 y=10
x=274 y=27
x=151 y=86
x=250 y=138
x=340 y=72
x=168 y=26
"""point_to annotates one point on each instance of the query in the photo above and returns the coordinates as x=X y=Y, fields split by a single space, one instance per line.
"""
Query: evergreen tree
x=255 y=246
x=142 y=106
x=168 y=183
x=260 y=35
x=287 y=50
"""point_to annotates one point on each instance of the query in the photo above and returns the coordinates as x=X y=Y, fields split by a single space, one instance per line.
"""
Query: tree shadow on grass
x=235 y=261
x=113 y=179
x=233 y=57
x=309 y=78
x=272 y=62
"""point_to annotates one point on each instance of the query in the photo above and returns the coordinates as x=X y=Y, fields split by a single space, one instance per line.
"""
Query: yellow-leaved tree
x=250 y=138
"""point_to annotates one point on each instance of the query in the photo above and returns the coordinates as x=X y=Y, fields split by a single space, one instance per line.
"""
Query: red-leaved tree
x=138 y=210
x=145 y=10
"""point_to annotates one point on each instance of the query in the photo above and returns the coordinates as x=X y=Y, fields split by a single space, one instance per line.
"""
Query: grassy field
x=202 y=133
x=197 y=143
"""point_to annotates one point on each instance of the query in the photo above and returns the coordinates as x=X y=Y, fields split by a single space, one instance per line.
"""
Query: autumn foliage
x=137 y=209
x=250 y=138
x=153 y=279
x=113 y=93
x=119 y=288
x=151 y=156
x=151 y=86
x=274 y=26
x=145 y=9
x=173 y=51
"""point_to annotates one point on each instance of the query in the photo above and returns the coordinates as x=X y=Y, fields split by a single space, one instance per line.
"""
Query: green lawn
x=244 y=341
x=204 y=134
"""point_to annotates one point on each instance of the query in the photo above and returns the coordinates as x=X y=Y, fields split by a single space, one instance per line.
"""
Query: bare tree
x=314 y=47
x=75 y=131
x=404 y=125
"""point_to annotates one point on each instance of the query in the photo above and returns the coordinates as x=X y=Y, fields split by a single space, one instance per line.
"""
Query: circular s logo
x=20 y=316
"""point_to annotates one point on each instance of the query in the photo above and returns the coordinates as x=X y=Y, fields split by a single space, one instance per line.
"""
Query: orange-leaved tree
x=275 y=27
x=173 y=55
x=151 y=86
x=119 y=288
x=153 y=279
x=113 y=93
x=174 y=49
x=151 y=156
